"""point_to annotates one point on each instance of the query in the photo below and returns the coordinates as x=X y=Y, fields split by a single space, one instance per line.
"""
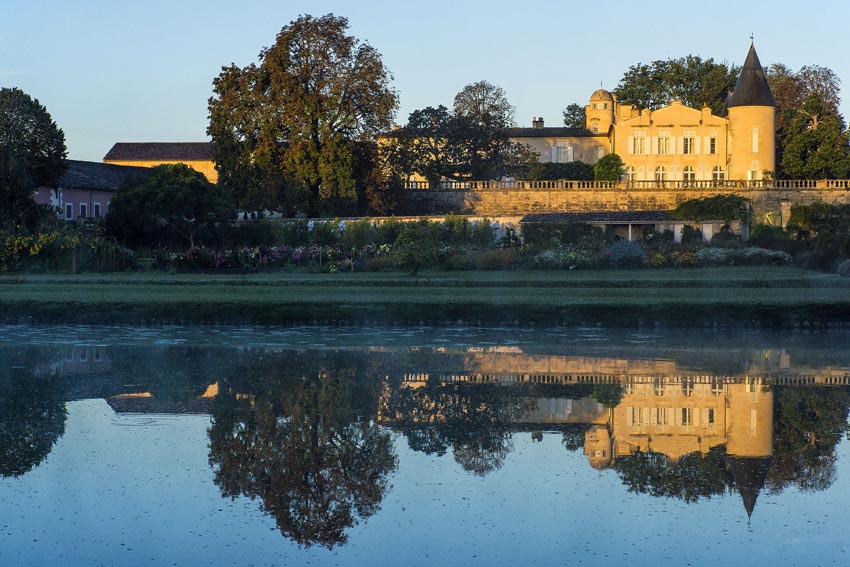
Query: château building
x=675 y=142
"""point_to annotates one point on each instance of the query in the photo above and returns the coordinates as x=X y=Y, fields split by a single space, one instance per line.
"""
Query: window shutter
x=554 y=154
x=680 y=145
x=631 y=146
x=696 y=145
x=569 y=153
x=654 y=149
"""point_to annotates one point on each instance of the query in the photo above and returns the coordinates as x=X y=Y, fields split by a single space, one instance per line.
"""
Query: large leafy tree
x=285 y=130
x=174 y=204
x=811 y=137
x=471 y=141
x=31 y=135
x=32 y=154
x=690 y=79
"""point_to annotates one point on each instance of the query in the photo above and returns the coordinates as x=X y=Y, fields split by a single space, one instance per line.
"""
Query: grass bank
x=765 y=296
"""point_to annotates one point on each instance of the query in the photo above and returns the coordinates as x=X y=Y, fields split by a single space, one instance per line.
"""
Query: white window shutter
x=570 y=153
x=680 y=145
x=554 y=154
x=706 y=143
x=696 y=145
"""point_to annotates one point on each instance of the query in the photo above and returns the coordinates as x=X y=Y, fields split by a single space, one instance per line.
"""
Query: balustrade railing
x=513 y=185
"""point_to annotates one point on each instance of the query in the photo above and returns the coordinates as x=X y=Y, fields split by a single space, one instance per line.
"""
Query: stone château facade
x=673 y=143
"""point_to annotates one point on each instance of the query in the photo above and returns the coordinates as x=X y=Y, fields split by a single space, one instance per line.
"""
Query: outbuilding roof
x=547 y=132
x=96 y=176
x=160 y=151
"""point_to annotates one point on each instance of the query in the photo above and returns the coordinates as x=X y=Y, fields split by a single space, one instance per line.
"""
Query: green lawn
x=727 y=295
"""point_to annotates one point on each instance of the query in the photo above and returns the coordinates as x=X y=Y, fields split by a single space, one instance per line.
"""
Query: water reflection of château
x=713 y=403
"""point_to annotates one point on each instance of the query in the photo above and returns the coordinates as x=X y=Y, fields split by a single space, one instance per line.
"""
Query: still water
x=329 y=446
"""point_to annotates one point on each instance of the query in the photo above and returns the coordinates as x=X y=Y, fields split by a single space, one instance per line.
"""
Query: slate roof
x=96 y=176
x=545 y=132
x=548 y=132
x=160 y=151
x=752 y=88
x=609 y=217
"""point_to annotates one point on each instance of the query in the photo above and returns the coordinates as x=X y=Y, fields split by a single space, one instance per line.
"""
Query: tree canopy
x=173 y=204
x=608 y=168
x=811 y=136
x=31 y=135
x=285 y=130
x=32 y=154
x=691 y=79
x=575 y=116
x=469 y=142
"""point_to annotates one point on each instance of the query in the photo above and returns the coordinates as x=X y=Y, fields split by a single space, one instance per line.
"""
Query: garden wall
x=769 y=204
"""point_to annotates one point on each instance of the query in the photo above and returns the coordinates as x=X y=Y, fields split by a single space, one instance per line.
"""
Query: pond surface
x=337 y=446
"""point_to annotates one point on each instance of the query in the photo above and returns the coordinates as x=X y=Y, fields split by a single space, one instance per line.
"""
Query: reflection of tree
x=689 y=478
x=609 y=395
x=32 y=416
x=293 y=441
x=573 y=436
x=474 y=420
x=809 y=422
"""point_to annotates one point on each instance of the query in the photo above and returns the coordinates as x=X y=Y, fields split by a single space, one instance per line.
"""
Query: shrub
x=292 y=233
x=495 y=260
x=547 y=260
x=623 y=254
x=654 y=260
x=691 y=235
x=359 y=234
x=323 y=233
x=545 y=235
x=684 y=259
x=761 y=256
x=725 y=238
x=714 y=257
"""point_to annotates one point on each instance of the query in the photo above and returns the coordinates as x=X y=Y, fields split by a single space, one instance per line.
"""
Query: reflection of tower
x=749 y=438
x=598 y=446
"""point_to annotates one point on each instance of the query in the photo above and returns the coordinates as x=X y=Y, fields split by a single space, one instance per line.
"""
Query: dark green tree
x=575 y=116
x=290 y=123
x=692 y=80
x=16 y=195
x=815 y=142
x=32 y=137
x=608 y=168
x=173 y=204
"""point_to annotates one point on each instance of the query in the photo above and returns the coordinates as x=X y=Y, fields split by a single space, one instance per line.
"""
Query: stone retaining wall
x=772 y=204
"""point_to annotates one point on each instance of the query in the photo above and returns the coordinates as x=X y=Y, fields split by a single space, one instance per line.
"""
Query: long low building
x=86 y=188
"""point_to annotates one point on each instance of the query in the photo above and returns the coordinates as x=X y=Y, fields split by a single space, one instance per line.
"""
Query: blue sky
x=142 y=71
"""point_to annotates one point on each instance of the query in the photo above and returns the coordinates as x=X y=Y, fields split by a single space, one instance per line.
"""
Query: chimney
x=537 y=122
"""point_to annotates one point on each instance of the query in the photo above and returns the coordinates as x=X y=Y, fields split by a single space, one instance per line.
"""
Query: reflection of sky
x=137 y=489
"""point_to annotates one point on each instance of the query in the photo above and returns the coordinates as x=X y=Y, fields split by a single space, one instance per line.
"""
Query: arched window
x=630 y=173
x=688 y=175
x=718 y=174
x=660 y=173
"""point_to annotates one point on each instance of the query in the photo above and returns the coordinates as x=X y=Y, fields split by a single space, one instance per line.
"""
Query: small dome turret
x=601 y=95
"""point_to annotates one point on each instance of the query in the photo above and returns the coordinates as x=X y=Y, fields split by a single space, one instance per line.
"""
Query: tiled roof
x=160 y=151
x=611 y=217
x=92 y=175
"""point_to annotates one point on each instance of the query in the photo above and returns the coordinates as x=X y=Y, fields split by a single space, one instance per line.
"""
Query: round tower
x=600 y=112
x=752 y=123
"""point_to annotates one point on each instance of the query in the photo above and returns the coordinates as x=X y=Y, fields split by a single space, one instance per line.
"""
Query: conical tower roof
x=752 y=88
x=748 y=475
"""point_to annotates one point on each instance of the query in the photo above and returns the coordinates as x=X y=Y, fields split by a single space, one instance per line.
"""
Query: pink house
x=86 y=188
